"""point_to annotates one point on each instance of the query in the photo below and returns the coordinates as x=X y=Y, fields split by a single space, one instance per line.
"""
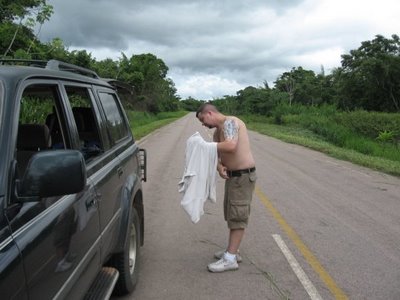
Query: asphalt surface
x=340 y=223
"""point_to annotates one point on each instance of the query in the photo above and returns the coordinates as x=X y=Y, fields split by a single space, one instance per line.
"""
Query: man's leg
x=228 y=260
x=235 y=238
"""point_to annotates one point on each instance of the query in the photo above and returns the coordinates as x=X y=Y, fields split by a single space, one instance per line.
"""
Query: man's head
x=206 y=114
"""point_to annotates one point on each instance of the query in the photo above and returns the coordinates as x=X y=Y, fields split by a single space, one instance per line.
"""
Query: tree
x=286 y=83
x=253 y=100
x=12 y=9
x=81 y=58
x=14 y=35
x=43 y=14
x=147 y=74
x=55 y=50
x=25 y=14
x=302 y=86
x=228 y=104
x=107 y=68
x=190 y=104
x=370 y=76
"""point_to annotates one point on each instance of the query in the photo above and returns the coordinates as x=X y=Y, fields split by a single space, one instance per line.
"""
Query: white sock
x=229 y=257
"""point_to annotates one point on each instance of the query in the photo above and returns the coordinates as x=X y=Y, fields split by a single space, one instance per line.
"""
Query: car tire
x=127 y=262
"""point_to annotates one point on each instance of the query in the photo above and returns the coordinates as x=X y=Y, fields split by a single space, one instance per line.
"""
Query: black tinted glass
x=115 y=121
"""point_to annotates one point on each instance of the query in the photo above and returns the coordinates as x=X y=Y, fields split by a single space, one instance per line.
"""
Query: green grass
x=307 y=138
x=143 y=123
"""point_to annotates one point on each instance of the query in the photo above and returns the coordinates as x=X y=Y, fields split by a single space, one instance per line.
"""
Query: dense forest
x=368 y=79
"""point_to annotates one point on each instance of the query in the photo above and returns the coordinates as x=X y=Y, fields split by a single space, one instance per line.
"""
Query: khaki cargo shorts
x=237 y=200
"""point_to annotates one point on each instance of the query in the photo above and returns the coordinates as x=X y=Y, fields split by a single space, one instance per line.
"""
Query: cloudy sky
x=217 y=47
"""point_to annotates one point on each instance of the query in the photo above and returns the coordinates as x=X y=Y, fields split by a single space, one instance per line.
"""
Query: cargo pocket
x=239 y=211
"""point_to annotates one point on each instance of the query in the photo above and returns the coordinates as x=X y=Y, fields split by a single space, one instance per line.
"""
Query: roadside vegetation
x=368 y=139
x=143 y=123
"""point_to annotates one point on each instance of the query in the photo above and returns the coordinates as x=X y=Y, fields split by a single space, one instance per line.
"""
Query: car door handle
x=90 y=203
x=120 y=171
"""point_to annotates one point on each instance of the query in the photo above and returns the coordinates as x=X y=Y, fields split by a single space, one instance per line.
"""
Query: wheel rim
x=132 y=249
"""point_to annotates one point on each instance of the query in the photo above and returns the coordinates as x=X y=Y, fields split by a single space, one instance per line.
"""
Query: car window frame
x=102 y=160
x=128 y=136
x=20 y=89
x=2 y=99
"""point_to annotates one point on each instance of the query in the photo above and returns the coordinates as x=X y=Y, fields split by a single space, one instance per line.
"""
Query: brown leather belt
x=238 y=173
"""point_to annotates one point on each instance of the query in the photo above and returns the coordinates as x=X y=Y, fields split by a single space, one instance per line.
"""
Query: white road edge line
x=301 y=275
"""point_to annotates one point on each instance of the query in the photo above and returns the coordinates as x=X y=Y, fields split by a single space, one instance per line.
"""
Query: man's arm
x=231 y=134
x=227 y=146
x=220 y=167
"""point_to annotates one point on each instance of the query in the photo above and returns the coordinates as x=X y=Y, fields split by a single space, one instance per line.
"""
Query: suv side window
x=116 y=124
x=39 y=126
x=86 y=121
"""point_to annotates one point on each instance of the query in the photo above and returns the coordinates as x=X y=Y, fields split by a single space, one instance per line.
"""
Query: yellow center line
x=308 y=255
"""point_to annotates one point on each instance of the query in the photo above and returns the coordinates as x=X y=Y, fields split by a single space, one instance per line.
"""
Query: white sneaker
x=63 y=265
x=220 y=254
x=222 y=265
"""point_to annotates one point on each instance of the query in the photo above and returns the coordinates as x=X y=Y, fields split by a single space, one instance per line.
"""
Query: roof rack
x=29 y=62
x=62 y=66
x=52 y=64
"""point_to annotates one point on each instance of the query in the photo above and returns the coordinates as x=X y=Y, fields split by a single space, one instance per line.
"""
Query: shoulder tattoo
x=231 y=129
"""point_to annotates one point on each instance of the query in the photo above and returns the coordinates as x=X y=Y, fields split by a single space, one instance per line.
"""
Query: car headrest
x=33 y=137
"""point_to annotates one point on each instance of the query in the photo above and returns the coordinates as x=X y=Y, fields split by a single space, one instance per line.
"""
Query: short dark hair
x=207 y=106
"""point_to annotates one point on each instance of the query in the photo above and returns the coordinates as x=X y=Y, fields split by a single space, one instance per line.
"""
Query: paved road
x=340 y=223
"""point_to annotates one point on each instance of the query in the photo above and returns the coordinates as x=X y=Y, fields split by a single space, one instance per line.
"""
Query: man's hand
x=222 y=171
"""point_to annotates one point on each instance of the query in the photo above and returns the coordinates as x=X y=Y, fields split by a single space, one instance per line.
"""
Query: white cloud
x=206 y=87
x=328 y=58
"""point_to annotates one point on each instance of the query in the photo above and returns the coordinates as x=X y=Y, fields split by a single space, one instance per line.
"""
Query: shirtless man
x=236 y=165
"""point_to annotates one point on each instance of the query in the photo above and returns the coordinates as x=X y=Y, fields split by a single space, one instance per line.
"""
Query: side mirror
x=53 y=173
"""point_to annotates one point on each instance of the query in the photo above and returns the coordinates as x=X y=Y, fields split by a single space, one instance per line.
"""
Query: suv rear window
x=115 y=121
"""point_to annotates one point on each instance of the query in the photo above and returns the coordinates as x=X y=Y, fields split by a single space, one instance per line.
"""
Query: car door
x=102 y=164
x=131 y=162
x=59 y=236
x=12 y=281
x=12 y=277
x=119 y=137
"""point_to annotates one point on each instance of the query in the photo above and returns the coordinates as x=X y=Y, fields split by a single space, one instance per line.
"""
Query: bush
x=386 y=136
x=142 y=123
x=375 y=134
x=371 y=124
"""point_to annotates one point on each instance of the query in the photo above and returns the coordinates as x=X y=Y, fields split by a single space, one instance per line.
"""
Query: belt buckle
x=235 y=173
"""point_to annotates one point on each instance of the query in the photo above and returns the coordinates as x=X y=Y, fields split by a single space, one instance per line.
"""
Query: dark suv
x=71 y=201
